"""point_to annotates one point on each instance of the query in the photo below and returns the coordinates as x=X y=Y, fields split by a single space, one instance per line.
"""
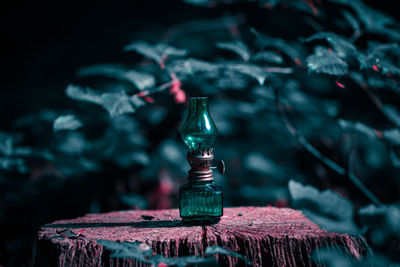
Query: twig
x=315 y=152
x=160 y=88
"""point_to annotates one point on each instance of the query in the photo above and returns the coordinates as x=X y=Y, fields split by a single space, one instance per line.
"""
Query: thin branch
x=315 y=152
x=160 y=88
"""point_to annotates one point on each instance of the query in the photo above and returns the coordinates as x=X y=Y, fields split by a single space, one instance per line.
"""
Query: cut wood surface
x=267 y=236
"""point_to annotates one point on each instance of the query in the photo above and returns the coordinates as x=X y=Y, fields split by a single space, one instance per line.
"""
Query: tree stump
x=267 y=236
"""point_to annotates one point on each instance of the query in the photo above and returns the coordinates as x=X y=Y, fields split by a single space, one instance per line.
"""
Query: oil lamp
x=200 y=200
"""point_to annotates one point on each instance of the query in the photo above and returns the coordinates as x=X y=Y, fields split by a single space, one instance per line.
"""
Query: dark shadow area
x=141 y=224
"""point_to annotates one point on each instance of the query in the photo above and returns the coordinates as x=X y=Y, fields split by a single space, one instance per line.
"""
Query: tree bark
x=267 y=236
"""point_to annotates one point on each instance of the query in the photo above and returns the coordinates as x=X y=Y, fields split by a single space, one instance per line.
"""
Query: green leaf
x=395 y=156
x=393 y=48
x=386 y=217
x=237 y=47
x=287 y=48
x=389 y=68
x=138 y=250
x=372 y=18
x=143 y=253
x=66 y=122
x=168 y=50
x=112 y=244
x=262 y=165
x=67 y=233
x=267 y=56
x=32 y=153
x=351 y=20
x=392 y=113
x=250 y=70
x=378 y=51
x=342 y=47
x=184 y=261
x=338 y=256
x=14 y=158
x=14 y=164
x=333 y=256
x=131 y=158
x=191 y=66
x=392 y=34
x=359 y=127
x=72 y=143
x=222 y=251
x=140 y=80
x=144 y=49
x=391 y=136
x=137 y=101
x=6 y=144
x=324 y=61
x=117 y=103
x=87 y=94
x=156 y=52
x=327 y=209
x=231 y=81
x=381 y=56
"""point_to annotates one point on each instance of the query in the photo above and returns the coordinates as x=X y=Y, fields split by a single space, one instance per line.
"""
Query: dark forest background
x=45 y=44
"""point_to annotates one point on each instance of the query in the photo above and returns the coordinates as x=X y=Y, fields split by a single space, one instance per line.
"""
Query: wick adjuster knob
x=220 y=167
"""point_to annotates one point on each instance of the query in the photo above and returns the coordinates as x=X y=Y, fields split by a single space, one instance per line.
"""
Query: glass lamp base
x=200 y=203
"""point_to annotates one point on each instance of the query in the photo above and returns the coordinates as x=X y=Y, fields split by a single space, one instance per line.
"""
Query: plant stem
x=316 y=153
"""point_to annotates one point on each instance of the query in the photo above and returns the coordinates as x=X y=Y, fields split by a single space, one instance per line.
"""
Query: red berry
x=180 y=97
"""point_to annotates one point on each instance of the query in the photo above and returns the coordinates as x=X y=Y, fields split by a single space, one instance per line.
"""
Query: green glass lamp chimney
x=200 y=200
x=199 y=131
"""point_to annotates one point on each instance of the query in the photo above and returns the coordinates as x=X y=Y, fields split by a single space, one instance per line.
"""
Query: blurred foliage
x=318 y=105
x=143 y=253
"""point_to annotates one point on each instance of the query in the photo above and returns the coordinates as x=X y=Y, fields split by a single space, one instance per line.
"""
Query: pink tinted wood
x=267 y=236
